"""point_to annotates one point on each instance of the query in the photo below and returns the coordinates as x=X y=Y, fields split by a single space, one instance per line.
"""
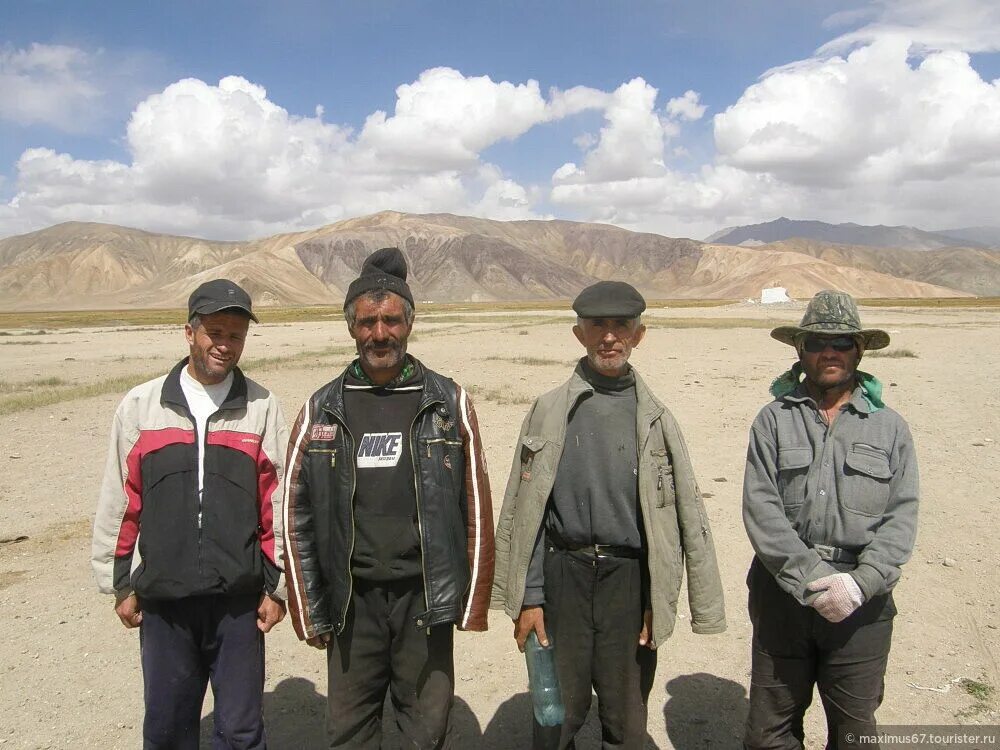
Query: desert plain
x=69 y=672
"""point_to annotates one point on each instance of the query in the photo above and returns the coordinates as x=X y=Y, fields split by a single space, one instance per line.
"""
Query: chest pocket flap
x=531 y=446
x=872 y=462
x=797 y=457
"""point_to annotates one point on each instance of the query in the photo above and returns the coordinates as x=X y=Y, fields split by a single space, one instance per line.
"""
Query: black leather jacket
x=454 y=510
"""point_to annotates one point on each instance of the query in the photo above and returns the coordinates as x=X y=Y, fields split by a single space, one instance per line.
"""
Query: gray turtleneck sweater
x=595 y=497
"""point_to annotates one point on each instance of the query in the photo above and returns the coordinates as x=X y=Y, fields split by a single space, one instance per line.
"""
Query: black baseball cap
x=218 y=295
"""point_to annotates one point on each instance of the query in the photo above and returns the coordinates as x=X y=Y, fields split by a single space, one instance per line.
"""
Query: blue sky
x=234 y=120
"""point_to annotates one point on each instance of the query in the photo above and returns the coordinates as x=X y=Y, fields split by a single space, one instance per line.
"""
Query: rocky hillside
x=457 y=258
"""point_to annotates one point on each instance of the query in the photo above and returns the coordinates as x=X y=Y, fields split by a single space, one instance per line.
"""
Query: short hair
x=195 y=320
x=375 y=296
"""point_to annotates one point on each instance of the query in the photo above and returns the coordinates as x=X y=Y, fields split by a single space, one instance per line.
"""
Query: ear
x=189 y=334
x=578 y=332
x=638 y=336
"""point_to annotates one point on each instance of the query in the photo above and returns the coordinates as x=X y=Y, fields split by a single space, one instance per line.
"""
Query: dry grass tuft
x=893 y=353
x=501 y=396
x=532 y=361
x=57 y=391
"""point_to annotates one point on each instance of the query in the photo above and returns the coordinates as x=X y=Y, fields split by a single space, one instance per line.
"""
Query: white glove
x=840 y=597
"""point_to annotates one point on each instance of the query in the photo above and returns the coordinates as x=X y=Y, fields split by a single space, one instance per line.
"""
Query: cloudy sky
x=233 y=120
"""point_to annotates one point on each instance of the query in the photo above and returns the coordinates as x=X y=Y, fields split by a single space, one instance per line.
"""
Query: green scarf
x=871 y=387
x=405 y=374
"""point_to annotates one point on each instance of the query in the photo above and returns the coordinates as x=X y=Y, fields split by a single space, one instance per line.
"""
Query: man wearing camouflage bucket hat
x=830 y=506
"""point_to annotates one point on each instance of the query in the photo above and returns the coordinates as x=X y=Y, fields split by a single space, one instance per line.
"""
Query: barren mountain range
x=456 y=258
x=908 y=238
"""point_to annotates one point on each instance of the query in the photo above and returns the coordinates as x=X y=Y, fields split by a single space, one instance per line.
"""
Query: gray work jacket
x=853 y=486
x=676 y=525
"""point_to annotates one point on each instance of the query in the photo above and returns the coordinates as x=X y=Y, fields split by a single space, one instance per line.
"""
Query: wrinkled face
x=216 y=344
x=609 y=342
x=830 y=366
x=380 y=331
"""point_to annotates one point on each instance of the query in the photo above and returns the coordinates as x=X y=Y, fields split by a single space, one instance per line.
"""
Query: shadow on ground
x=705 y=711
x=701 y=711
x=294 y=716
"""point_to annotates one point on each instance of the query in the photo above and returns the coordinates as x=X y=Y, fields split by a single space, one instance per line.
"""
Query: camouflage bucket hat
x=831 y=313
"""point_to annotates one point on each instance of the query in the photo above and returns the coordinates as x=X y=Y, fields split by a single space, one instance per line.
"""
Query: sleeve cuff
x=869 y=580
x=533 y=596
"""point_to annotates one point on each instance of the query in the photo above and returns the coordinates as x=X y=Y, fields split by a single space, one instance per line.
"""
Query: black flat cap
x=383 y=269
x=218 y=295
x=609 y=299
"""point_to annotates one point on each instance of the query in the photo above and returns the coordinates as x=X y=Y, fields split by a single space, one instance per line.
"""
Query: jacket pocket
x=666 y=491
x=793 y=471
x=531 y=446
x=866 y=480
x=447 y=456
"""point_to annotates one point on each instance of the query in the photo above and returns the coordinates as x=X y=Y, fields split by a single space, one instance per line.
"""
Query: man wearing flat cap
x=830 y=506
x=601 y=516
x=194 y=483
x=388 y=524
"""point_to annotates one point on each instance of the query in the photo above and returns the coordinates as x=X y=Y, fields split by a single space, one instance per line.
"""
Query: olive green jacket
x=676 y=525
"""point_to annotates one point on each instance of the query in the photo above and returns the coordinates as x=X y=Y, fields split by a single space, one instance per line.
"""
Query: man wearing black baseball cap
x=388 y=524
x=194 y=480
x=600 y=518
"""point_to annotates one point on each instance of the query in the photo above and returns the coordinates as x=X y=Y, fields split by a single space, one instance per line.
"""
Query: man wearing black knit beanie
x=389 y=523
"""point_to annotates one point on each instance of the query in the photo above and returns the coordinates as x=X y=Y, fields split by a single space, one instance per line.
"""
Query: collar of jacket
x=647 y=408
x=432 y=393
x=858 y=401
x=172 y=392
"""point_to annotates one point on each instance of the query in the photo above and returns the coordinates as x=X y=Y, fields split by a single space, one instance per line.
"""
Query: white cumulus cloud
x=50 y=84
x=890 y=123
x=226 y=161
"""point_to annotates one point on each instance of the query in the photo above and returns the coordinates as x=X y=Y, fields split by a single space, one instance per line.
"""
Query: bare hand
x=531 y=618
x=646 y=634
x=269 y=613
x=319 y=641
x=128 y=611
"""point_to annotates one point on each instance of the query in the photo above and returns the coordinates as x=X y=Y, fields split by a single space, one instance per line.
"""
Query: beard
x=383 y=357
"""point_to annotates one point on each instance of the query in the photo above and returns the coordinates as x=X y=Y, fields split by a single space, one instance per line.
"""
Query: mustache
x=391 y=344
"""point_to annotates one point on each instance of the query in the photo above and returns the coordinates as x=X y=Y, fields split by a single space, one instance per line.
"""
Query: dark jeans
x=593 y=614
x=382 y=650
x=187 y=643
x=794 y=648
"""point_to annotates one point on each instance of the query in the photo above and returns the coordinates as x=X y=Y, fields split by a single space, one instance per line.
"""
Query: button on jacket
x=454 y=510
x=852 y=485
x=677 y=533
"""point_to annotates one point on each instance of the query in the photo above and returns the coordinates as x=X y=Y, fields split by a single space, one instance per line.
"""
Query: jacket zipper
x=416 y=492
x=201 y=467
x=350 y=554
x=354 y=477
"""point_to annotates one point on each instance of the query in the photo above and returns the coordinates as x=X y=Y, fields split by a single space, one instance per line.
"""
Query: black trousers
x=593 y=615
x=795 y=648
x=382 y=650
x=187 y=643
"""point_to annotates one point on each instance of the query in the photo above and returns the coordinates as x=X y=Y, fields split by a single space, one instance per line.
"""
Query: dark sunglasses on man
x=816 y=344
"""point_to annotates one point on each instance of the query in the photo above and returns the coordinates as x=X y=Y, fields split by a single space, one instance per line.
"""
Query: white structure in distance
x=774 y=294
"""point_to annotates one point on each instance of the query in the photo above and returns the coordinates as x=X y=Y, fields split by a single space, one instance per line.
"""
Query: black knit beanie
x=383 y=269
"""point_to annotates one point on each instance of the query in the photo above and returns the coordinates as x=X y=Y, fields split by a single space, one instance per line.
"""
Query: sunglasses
x=816 y=344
